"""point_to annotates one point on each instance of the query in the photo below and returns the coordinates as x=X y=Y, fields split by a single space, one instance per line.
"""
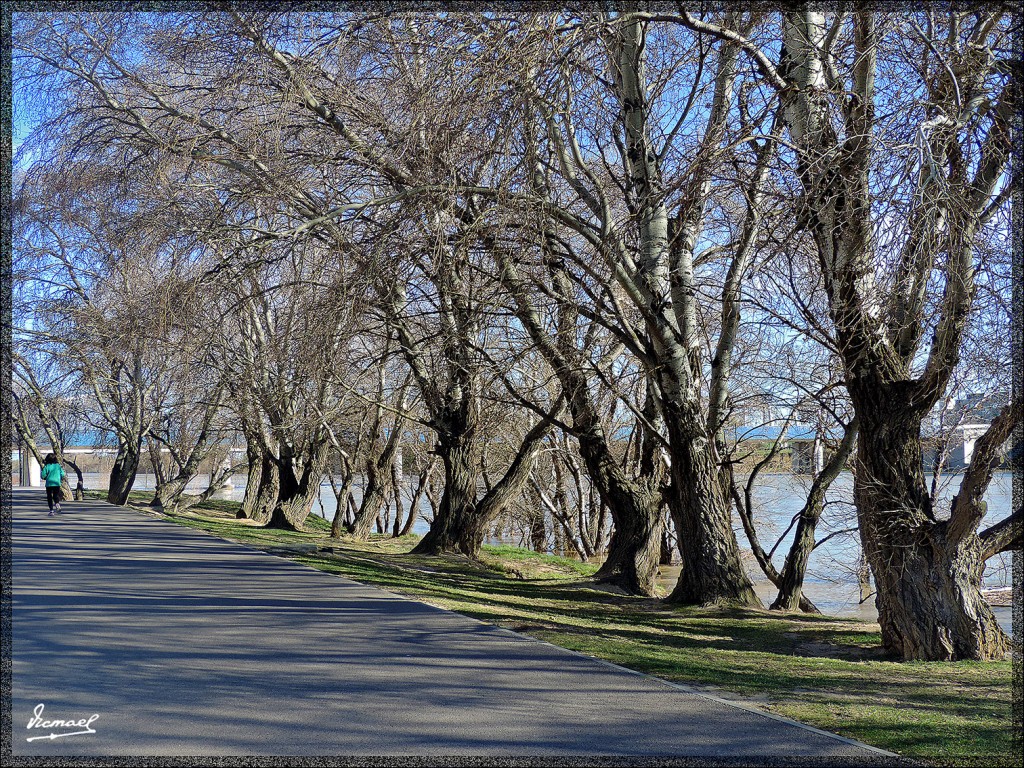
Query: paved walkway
x=185 y=644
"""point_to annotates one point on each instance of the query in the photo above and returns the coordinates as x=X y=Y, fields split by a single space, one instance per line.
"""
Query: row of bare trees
x=555 y=258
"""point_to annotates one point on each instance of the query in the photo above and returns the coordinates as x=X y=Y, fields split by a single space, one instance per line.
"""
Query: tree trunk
x=65 y=486
x=600 y=510
x=287 y=513
x=254 y=479
x=635 y=546
x=159 y=472
x=632 y=561
x=296 y=493
x=290 y=511
x=927 y=587
x=712 y=572
x=167 y=493
x=927 y=571
x=560 y=547
x=337 y=522
x=929 y=603
x=377 y=491
x=122 y=474
x=538 y=531
x=79 y=493
x=66 y=494
x=375 y=494
x=864 y=578
x=397 y=478
x=457 y=527
x=266 y=491
x=791 y=580
x=667 y=554
x=414 y=505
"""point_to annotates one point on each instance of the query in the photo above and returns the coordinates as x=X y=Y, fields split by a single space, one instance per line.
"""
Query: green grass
x=525 y=563
x=822 y=670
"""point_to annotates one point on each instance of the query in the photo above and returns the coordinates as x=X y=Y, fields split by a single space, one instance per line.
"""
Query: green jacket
x=52 y=474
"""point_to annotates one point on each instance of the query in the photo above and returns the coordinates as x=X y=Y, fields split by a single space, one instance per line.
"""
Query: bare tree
x=882 y=303
x=639 y=205
x=98 y=303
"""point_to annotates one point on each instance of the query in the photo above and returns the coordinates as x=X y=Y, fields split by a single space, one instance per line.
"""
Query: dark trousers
x=52 y=495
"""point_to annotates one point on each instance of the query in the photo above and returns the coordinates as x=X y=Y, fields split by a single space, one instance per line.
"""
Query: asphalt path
x=180 y=643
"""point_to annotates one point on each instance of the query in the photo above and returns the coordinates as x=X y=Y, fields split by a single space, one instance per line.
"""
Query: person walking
x=53 y=475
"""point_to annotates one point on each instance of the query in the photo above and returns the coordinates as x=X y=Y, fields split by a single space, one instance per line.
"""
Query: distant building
x=975 y=414
x=805 y=448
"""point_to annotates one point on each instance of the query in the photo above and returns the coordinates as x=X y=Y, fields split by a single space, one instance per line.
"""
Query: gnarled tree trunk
x=297 y=492
x=79 y=492
x=253 y=481
x=633 y=551
x=377 y=491
x=635 y=506
x=712 y=572
x=927 y=586
x=457 y=527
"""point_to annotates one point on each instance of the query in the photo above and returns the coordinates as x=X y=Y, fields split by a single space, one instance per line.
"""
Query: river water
x=831 y=581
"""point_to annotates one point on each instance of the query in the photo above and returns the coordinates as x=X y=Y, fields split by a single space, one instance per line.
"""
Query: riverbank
x=822 y=670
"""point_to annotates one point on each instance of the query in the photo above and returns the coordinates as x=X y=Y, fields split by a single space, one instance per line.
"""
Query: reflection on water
x=831 y=581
